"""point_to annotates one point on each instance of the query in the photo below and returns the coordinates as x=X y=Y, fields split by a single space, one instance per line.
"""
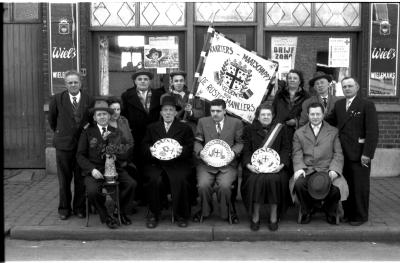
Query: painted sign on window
x=63 y=43
x=384 y=48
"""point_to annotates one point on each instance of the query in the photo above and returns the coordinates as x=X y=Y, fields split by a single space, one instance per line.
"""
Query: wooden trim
x=235 y=24
x=136 y=29
x=313 y=29
x=259 y=36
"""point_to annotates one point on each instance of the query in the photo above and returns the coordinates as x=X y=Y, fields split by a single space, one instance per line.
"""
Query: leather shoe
x=182 y=222
x=80 y=215
x=273 y=226
x=111 y=223
x=197 y=216
x=152 y=221
x=64 y=217
x=356 y=223
x=254 y=226
x=331 y=219
x=305 y=219
x=125 y=220
x=234 y=218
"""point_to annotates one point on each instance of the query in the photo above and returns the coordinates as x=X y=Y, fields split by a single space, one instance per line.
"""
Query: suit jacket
x=321 y=153
x=89 y=153
x=329 y=108
x=179 y=131
x=231 y=133
x=62 y=122
x=137 y=116
x=358 y=127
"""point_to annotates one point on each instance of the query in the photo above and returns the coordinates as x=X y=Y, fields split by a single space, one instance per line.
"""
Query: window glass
x=121 y=55
x=6 y=12
x=227 y=12
x=162 y=14
x=288 y=14
x=337 y=14
x=112 y=14
x=26 y=11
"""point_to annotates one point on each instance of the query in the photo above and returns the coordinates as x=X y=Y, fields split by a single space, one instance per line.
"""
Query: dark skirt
x=265 y=188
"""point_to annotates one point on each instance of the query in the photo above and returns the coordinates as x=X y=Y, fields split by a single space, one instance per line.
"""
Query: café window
x=312 y=14
x=124 y=14
x=121 y=55
x=227 y=12
x=21 y=12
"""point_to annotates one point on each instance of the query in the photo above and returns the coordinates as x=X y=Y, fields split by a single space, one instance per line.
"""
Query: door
x=24 y=131
x=312 y=55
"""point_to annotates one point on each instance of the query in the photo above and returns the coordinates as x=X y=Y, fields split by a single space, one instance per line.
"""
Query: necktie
x=218 y=128
x=316 y=130
x=104 y=131
x=348 y=103
x=74 y=103
x=325 y=102
x=167 y=125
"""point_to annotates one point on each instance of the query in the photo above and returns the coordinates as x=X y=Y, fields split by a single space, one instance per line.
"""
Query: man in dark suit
x=228 y=129
x=357 y=122
x=320 y=82
x=172 y=174
x=91 y=158
x=68 y=114
x=141 y=106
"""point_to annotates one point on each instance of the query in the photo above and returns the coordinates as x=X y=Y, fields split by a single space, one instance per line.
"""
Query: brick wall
x=389 y=130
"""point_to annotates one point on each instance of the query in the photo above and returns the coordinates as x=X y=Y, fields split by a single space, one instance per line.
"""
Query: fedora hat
x=319 y=185
x=101 y=105
x=153 y=50
x=169 y=100
x=142 y=72
x=319 y=75
x=177 y=73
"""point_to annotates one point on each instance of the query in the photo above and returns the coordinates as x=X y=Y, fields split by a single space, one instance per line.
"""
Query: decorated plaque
x=265 y=160
x=217 y=153
x=166 y=149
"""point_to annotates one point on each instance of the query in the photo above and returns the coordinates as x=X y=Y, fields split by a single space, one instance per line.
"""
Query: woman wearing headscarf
x=259 y=188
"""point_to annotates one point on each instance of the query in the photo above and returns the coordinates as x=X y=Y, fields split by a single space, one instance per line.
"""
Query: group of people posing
x=325 y=146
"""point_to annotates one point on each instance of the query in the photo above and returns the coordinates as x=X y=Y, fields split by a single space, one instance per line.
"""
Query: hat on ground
x=319 y=185
x=142 y=72
x=152 y=51
x=101 y=105
x=169 y=100
x=177 y=73
x=319 y=75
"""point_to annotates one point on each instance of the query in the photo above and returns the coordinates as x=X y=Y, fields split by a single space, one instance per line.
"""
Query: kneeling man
x=91 y=158
x=316 y=148
x=173 y=173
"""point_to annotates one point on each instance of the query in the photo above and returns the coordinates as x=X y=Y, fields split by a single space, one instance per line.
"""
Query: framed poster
x=383 y=59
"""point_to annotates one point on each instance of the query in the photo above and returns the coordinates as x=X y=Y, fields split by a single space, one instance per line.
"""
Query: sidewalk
x=31 y=214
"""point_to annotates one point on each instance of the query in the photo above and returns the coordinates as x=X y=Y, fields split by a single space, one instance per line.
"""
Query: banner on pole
x=236 y=75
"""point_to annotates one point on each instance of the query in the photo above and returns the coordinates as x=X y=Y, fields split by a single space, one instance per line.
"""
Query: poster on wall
x=63 y=43
x=283 y=50
x=161 y=52
x=339 y=52
x=383 y=53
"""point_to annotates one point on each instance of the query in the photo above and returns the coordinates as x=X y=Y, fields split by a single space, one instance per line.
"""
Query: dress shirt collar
x=78 y=97
x=101 y=128
x=221 y=123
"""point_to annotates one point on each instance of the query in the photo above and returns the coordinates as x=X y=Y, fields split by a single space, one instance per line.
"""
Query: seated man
x=91 y=158
x=175 y=172
x=316 y=148
x=228 y=129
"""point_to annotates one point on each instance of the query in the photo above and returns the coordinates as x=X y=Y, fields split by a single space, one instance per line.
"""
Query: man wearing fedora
x=357 y=121
x=173 y=175
x=141 y=106
x=320 y=82
x=317 y=161
x=91 y=158
x=68 y=114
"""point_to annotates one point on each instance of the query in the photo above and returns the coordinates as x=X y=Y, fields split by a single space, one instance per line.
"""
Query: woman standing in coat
x=265 y=188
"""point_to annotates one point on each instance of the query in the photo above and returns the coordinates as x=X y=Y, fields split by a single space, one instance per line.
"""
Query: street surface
x=128 y=250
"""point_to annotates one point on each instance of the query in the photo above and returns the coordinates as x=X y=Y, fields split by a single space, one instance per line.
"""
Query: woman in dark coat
x=265 y=188
x=288 y=101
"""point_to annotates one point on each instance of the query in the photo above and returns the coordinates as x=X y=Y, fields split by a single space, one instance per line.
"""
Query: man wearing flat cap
x=168 y=175
x=320 y=82
x=91 y=158
x=141 y=107
x=316 y=148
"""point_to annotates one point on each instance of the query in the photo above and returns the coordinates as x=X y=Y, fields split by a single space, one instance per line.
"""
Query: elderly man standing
x=172 y=173
x=68 y=114
x=316 y=148
x=228 y=129
x=320 y=82
x=91 y=157
x=141 y=106
x=357 y=121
